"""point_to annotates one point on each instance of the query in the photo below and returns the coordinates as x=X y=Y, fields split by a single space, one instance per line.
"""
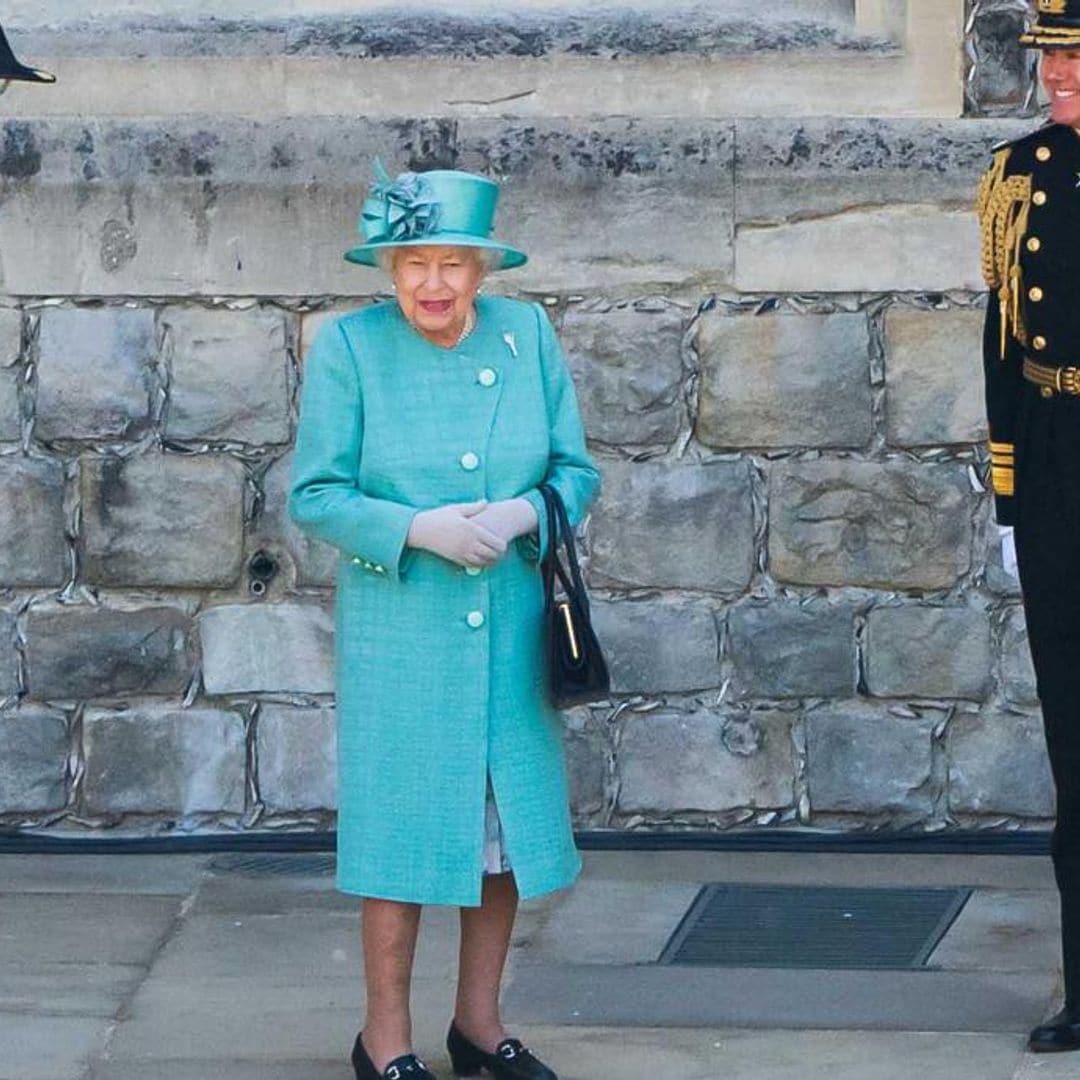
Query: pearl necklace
x=468 y=328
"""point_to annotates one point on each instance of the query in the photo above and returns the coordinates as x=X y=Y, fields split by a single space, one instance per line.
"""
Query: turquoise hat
x=442 y=206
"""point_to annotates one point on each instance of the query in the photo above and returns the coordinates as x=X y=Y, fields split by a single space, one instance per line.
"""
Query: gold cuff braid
x=1003 y=204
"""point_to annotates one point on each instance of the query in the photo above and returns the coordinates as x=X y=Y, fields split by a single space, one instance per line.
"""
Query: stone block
x=705 y=761
x=658 y=192
x=34 y=551
x=653 y=646
x=998 y=765
x=933 y=373
x=675 y=526
x=895 y=525
x=783 y=650
x=10 y=374
x=861 y=759
x=587 y=750
x=33 y=760
x=627 y=366
x=1017 y=672
x=933 y=652
x=229 y=374
x=79 y=652
x=152 y=760
x=820 y=168
x=9 y=668
x=891 y=249
x=162 y=519
x=784 y=380
x=315 y=562
x=297 y=753
x=267 y=648
x=94 y=372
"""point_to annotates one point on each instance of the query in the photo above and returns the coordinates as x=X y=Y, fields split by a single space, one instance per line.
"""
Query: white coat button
x=486 y=377
x=475 y=619
x=469 y=461
x=472 y=571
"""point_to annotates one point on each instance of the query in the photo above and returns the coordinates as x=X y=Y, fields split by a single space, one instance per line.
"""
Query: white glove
x=1008 y=551
x=508 y=518
x=455 y=533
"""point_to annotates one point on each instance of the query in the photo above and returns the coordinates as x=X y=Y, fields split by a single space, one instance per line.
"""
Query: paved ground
x=171 y=968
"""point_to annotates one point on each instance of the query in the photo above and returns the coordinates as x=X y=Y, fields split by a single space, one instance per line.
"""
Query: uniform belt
x=1059 y=380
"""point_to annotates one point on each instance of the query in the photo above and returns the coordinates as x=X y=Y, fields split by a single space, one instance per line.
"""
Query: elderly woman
x=427 y=424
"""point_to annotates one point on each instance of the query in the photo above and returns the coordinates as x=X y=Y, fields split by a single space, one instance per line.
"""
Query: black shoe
x=511 y=1061
x=406 y=1067
x=1059 y=1033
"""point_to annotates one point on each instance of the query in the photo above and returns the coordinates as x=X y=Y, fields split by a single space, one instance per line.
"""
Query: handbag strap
x=561 y=533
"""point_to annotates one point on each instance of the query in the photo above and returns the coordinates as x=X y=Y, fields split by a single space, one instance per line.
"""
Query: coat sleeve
x=571 y=471
x=1003 y=377
x=324 y=498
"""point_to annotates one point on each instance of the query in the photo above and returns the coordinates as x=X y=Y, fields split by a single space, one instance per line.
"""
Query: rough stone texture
x=791 y=651
x=658 y=645
x=1001 y=78
x=998 y=765
x=931 y=652
x=1017 y=676
x=297 y=753
x=162 y=519
x=148 y=760
x=861 y=759
x=679 y=526
x=9 y=669
x=33 y=551
x=10 y=375
x=33 y=760
x=96 y=652
x=787 y=169
x=94 y=372
x=267 y=648
x=895 y=525
x=772 y=380
x=705 y=761
x=229 y=375
x=627 y=366
x=933 y=371
x=315 y=561
x=658 y=192
x=586 y=745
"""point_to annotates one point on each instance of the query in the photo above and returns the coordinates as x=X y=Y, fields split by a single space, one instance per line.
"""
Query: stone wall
x=774 y=325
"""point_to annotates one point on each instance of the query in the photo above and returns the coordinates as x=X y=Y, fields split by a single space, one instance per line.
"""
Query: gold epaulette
x=1003 y=204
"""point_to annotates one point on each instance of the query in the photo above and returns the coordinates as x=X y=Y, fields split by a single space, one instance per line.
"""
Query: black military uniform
x=1029 y=209
x=11 y=70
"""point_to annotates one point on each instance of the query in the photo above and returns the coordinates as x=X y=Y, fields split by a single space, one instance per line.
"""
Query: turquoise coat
x=440 y=670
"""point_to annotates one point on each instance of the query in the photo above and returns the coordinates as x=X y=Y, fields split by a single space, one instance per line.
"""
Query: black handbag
x=577 y=672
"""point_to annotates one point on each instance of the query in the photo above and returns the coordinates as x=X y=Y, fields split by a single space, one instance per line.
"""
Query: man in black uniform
x=1029 y=209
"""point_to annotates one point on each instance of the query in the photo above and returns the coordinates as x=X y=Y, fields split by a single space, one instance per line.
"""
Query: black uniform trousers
x=1047 y=512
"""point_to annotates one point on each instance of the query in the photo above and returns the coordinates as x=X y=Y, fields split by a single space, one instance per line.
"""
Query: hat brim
x=367 y=254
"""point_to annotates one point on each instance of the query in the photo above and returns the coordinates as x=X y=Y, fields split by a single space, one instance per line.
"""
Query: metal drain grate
x=274 y=865
x=810 y=927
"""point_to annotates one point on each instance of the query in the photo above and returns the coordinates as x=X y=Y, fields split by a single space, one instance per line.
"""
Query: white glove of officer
x=1008 y=550
x=508 y=518
x=456 y=533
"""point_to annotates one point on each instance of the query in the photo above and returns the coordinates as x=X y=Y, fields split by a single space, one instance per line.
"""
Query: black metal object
x=273 y=865
x=782 y=926
x=12 y=70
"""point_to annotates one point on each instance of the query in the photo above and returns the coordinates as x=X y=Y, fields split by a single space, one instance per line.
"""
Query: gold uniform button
x=1043 y=153
x=1046 y=391
x=1039 y=198
x=1039 y=342
x=1035 y=293
x=1034 y=243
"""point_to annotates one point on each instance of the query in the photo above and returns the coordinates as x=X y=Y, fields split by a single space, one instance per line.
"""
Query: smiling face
x=436 y=286
x=1060 y=72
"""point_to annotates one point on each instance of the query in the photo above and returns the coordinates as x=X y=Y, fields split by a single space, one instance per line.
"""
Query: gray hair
x=488 y=258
